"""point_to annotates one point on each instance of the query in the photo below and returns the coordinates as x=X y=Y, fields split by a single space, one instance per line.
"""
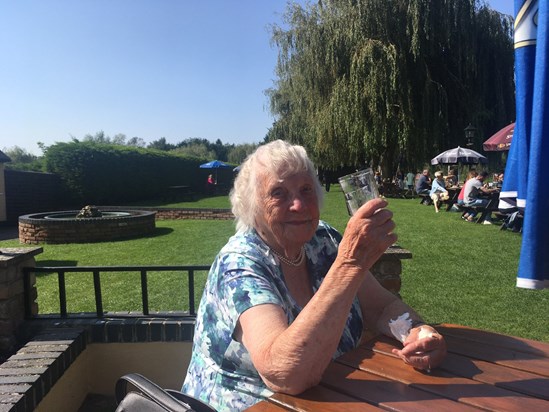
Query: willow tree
x=389 y=82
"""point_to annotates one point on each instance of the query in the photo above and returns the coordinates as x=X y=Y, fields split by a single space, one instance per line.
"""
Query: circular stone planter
x=64 y=227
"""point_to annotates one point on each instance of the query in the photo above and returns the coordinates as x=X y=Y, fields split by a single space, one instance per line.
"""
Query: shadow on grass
x=160 y=231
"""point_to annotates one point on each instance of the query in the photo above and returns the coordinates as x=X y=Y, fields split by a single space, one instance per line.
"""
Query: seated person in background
x=470 y=175
x=499 y=182
x=210 y=184
x=451 y=179
x=473 y=188
x=461 y=200
x=288 y=293
x=423 y=184
x=438 y=190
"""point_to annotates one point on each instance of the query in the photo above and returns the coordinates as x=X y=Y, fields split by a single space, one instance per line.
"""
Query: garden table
x=181 y=192
x=453 y=193
x=483 y=371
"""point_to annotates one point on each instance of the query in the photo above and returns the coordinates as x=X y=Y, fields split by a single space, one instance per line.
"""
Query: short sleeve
x=244 y=283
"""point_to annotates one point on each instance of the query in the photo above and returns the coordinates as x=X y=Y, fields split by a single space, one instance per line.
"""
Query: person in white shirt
x=471 y=195
x=438 y=190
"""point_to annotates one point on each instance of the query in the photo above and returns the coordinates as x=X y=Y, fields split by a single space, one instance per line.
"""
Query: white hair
x=278 y=158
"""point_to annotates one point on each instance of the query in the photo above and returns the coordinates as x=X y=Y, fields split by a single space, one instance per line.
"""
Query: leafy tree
x=118 y=139
x=216 y=150
x=19 y=155
x=389 y=82
x=237 y=154
x=161 y=144
x=99 y=137
x=198 y=150
x=21 y=159
x=136 y=142
x=221 y=150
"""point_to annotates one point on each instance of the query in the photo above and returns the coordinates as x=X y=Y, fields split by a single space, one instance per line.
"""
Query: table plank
x=322 y=399
x=540 y=349
x=523 y=359
x=266 y=406
x=513 y=379
x=499 y=375
x=518 y=353
x=442 y=383
x=385 y=393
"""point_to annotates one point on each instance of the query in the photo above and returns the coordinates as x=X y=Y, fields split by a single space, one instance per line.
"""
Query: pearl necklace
x=295 y=262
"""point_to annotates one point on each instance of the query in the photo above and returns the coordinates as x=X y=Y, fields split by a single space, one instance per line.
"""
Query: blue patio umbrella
x=525 y=185
x=215 y=164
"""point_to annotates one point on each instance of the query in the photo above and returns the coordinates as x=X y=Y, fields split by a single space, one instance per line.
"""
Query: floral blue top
x=244 y=274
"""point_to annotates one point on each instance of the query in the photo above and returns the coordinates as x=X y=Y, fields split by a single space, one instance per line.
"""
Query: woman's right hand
x=368 y=234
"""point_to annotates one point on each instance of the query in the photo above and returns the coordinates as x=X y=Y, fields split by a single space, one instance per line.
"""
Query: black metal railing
x=97 y=271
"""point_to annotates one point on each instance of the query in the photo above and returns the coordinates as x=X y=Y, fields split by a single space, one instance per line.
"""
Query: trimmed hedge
x=108 y=174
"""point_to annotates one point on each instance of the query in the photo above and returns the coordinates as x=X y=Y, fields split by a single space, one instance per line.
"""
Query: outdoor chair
x=409 y=193
x=513 y=221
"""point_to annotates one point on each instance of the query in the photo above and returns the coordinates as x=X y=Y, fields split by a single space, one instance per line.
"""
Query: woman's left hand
x=423 y=351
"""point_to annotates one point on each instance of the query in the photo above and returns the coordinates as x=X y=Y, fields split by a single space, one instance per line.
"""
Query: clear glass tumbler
x=358 y=188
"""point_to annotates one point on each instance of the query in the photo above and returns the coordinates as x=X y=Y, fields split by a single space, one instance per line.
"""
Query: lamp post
x=469 y=135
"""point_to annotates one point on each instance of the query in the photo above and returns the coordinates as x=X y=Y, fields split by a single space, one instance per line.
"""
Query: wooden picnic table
x=483 y=371
x=180 y=192
x=453 y=193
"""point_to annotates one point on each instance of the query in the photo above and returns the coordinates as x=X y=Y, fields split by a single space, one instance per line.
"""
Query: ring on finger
x=428 y=370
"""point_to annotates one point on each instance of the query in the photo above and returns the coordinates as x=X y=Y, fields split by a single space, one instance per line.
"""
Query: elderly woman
x=288 y=293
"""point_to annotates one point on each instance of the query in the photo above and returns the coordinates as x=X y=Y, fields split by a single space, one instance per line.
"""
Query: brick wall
x=206 y=214
x=388 y=268
x=12 y=302
x=164 y=213
x=34 y=230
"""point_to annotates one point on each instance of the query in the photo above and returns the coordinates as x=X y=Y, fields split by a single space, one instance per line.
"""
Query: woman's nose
x=296 y=203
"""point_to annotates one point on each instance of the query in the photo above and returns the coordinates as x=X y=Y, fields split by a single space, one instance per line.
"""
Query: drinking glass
x=358 y=188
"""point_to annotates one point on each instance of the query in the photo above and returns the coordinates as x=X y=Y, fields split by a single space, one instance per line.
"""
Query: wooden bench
x=425 y=199
x=180 y=193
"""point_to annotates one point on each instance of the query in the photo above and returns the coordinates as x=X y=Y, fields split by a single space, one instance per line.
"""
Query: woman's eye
x=307 y=190
x=277 y=193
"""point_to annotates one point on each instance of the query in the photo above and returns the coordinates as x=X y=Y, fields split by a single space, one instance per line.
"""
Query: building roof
x=4 y=158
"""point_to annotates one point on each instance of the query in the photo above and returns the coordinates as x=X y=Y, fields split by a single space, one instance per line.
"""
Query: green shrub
x=108 y=174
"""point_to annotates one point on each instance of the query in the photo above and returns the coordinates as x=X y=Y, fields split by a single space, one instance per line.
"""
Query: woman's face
x=289 y=211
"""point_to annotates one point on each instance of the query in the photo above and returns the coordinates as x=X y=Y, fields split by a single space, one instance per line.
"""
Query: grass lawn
x=460 y=272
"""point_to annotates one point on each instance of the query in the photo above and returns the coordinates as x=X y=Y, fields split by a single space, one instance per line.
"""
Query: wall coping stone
x=395 y=251
x=13 y=255
x=27 y=376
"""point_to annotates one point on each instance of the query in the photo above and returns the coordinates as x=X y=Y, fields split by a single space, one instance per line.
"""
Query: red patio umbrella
x=501 y=140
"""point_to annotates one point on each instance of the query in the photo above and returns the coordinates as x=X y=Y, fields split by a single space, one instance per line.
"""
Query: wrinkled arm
x=379 y=307
x=293 y=358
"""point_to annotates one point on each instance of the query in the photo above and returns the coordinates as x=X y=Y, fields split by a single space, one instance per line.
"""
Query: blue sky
x=145 y=68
